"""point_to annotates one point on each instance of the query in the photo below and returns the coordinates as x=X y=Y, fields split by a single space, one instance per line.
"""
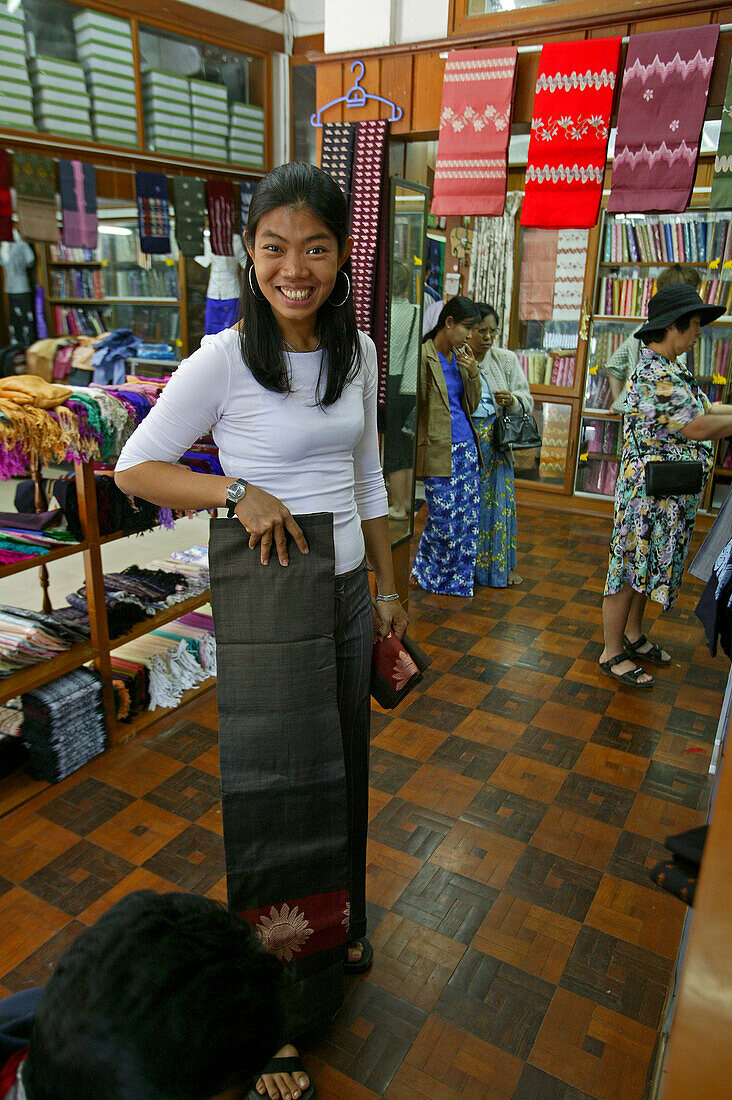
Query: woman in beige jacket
x=448 y=455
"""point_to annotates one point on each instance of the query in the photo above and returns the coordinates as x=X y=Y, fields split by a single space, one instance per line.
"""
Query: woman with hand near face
x=290 y=397
x=448 y=458
x=504 y=387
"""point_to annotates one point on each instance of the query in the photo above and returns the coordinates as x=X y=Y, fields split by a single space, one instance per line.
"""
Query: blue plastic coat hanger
x=356 y=97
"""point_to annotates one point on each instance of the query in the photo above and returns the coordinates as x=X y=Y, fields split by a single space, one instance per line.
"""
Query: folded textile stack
x=210 y=119
x=156 y=351
x=13 y=753
x=15 y=88
x=246 y=135
x=29 y=637
x=135 y=594
x=62 y=104
x=104 y=48
x=110 y=353
x=167 y=106
x=64 y=724
x=155 y=670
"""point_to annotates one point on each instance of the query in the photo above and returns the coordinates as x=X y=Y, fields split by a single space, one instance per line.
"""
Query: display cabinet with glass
x=128 y=289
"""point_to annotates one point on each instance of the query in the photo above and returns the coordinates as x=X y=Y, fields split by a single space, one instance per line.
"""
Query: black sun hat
x=672 y=302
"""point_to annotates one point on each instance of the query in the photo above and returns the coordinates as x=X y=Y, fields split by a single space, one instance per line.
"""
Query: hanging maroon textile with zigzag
x=661 y=113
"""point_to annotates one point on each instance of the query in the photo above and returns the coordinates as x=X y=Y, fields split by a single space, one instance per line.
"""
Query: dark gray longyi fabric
x=281 y=754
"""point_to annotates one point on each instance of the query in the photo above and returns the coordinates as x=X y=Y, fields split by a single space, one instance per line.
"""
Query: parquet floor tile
x=518 y=799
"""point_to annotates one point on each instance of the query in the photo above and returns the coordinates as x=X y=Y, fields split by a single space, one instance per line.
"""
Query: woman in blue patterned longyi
x=448 y=455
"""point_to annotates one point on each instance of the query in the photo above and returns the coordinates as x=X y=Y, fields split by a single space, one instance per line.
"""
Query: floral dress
x=651 y=536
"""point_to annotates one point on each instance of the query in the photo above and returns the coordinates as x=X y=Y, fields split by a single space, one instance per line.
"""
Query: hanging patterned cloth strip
x=246 y=190
x=189 y=206
x=539 y=248
x=569 y=133
x=368 y=171
x=475 y=128
x=661 y=113
x=380 y=310
x=34 y=177
x=337 y=152
x=492 y=268
x=153 y=212
x=78 y=186
x=6 y=205
x=221 y=216
x=721 y=196
x=569 y=275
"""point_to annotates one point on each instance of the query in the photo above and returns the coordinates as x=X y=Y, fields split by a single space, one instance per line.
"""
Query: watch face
x=235 y=492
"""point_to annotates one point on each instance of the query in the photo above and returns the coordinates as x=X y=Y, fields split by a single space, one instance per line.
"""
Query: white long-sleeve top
x=314 y=459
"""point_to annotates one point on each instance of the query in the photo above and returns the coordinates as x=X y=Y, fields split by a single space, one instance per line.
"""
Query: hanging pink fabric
x=661 y=112
x=539 y=250
x=368 y=170
x=569 y=133
x=220 y=195
x=475 y=127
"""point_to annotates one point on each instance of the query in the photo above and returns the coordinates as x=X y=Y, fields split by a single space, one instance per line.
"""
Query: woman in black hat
x=667 y=417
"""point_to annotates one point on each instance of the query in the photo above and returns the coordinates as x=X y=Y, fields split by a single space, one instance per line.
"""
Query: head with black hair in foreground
x=166 y=997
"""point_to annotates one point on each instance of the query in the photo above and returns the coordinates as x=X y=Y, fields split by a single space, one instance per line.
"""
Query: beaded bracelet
x=388 y=599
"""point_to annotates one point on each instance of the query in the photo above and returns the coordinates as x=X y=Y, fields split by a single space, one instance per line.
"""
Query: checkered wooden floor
x=518 y=799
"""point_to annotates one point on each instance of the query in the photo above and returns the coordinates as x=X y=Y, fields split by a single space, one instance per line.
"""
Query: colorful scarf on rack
x=221 y=216
x=34 y=177
x=569 y=133
x=368 y=172
x=475 y=128
x=78 y=187
x=246 y=190
x=721 y=196
x=6 y=205
x=661 y=113
x=189 y=206
x=153 y=212
x=336 y=153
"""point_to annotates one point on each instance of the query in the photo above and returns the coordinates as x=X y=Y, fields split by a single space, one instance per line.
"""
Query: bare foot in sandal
x=625 y=671
x=515 y=578
x=284 y=1086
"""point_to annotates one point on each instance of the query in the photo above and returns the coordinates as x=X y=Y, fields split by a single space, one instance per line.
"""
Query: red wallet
x=396 y=667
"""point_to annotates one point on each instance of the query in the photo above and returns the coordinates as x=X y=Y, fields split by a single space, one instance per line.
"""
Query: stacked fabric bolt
x=135 y=594
x=28 y=637
x=64 y=724
x=155 y=670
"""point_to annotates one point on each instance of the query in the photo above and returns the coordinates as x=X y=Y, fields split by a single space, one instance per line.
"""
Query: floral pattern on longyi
x=284 y=931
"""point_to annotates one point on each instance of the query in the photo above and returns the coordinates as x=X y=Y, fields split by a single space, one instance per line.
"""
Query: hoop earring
x=337 y=305
x=251 y=285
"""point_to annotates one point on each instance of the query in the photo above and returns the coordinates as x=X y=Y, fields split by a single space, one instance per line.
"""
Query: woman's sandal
x=367 y=957
x=654 y=654
x=294 y=1067
x=629 y=678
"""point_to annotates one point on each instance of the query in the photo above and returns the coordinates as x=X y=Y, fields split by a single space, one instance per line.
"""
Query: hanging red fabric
x=475 y=128
x=661 y=113
x=569 y=133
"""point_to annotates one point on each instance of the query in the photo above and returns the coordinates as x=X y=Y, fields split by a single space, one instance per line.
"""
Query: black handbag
x=673 y=479
x=515 y=433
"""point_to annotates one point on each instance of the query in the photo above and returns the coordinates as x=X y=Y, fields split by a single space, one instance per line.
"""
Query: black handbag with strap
x=515 y=433
x=670 y=477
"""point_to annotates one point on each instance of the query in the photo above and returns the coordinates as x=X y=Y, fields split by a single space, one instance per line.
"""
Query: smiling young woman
x=289 y=394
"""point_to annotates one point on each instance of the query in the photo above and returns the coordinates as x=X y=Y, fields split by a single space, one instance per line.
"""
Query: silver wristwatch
x=235 y=493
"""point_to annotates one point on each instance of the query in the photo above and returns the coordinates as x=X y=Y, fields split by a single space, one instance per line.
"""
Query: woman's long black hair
x=300 y=185
x=460 y=309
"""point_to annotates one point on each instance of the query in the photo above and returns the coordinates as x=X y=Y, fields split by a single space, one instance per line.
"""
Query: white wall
x=308 y=16
x=367 y=24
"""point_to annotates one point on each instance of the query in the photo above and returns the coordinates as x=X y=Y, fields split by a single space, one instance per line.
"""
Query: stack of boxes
x=61 y=100
x=104 y=47
x=15 y=89
x=167 y=103
x=210 y=117
x=246 y=135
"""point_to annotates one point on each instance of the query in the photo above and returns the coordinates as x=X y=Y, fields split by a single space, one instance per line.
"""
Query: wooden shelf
x=147 y=301
x=601 y=456
x=603 y=414
x=721 y=471
x=75 y=263
x=127 y=730
x=77 y=301
x=725 y=319
x=654 y=263
x=167 y=615
x=42 y=559
x=34 y=676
